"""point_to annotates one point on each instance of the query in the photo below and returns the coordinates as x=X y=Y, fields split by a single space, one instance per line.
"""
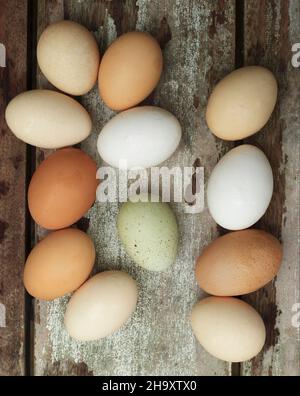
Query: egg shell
x=238 y=263
x=69 y=57
x=59 y=264
x=47 y=119
x=101 y=306
x=240 y=188
x=228 y=328
x=130 y=69
x=142 y=137
x=242 y=103
x=62 y=189
x=149 y=233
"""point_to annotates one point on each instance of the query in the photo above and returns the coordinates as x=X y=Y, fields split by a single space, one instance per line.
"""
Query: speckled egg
x=68 y=56
x=239 y=263
x=149 y=233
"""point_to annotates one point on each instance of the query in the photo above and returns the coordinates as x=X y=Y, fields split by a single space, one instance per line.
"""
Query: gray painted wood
x=198 y=46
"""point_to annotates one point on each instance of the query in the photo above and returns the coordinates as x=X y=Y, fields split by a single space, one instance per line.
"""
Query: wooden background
x=202 y=41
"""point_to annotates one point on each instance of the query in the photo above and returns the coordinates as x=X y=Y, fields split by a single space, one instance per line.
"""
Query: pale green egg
x=149 y=233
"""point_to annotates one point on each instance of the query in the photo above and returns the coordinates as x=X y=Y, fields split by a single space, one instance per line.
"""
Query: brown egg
x=129 y=71
x=62 y=188
x=239 y=263
x=59 y=264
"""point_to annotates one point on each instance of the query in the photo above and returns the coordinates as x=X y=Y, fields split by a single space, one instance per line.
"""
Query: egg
x=47 y=119
x=62 y=189
x=101 y=306
x=240 y=188
x=228 y=328
x=149 y=233
x=130 y=69
x=140 y=137
x=238 y=263
x=59 y=264
x=69 y=57
x=242 y=103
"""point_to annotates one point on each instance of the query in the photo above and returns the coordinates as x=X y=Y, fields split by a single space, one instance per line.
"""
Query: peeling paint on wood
x=194 y=61
x=270 y=30
x=13 y=80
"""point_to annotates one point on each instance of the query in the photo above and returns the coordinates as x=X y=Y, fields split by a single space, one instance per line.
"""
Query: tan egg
x=59 y=264
x=239 y=263
x=228 y=328
x=69 y=57
x=129 y=71
x=47 y=119
x=242 y=103
x=62 y=189
x=101 y=306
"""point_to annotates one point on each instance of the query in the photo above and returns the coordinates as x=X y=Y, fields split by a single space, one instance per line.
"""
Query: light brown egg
x=68 y=56
x=129 y=71
x=242 y=103
x=228 y=328
x=239 y=263
x=62 y=189
x=59 y=264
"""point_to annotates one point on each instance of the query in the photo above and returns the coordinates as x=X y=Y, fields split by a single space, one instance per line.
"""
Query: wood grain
x=198 y=41
x=13 y=80
x=271 y=27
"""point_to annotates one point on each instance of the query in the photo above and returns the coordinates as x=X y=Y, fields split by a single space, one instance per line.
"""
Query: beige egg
x=69 y=57
x=101 y=306
x=47 y=119
x=59 y=264
x=238 y=263
x=228 y=328
x=242 y=103
x=130 y=69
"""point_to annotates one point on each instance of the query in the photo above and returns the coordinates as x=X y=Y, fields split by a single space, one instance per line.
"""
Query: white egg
x=140 y=137
x=240 y=188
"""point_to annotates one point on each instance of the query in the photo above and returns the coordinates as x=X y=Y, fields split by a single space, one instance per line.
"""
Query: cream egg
x=240 y=188
x=101 y=306
x=68 y=56
x=47 y=119
x=228 y=328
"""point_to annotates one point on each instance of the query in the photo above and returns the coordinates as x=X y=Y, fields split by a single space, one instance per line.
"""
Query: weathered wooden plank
x=270 y=30
x=198 y=45
x=13 y=80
